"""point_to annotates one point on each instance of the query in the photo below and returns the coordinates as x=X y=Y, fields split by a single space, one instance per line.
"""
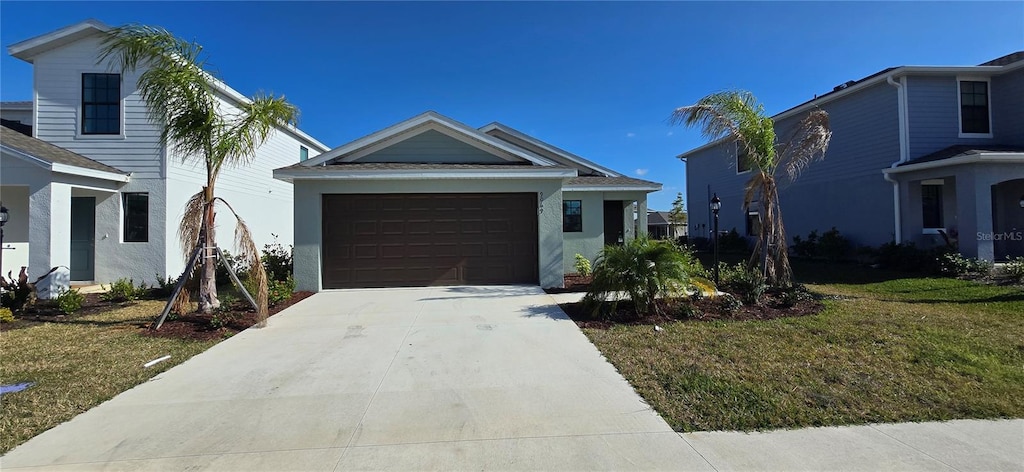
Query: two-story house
x=88 y=185
x=916 y=151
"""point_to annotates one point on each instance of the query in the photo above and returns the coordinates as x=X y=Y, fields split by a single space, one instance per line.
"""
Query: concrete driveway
x=406 y=379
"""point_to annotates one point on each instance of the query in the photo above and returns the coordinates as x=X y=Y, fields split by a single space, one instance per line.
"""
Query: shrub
x=908 y=257
x=238 y=264
x=728 y=303
x=164 y=287
x=956 y=265
x=582 y=265
x=830 y=246
x=733 y=243
x=123 y=290
x=805 y=247
x=6 y=315
x=750 y=284
x=277 y=260
x=70 y=301
x=644 y=269
x=1015 y=269
x=795 y=294
x=280 y=290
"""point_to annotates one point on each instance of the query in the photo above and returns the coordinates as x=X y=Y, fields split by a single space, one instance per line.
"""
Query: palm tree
x=182 y=101
x=737 y=114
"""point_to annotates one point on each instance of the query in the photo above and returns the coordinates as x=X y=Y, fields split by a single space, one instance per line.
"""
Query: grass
x=888 y=348
x=77 y=365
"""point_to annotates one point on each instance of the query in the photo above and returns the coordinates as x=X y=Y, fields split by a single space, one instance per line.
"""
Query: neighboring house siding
x=1008 y=108
x=845 y=190
x=934 y=115
x=58 y=84
x=430 y=147
x=21 y=116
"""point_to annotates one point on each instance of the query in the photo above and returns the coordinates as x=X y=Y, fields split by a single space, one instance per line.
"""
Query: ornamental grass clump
x=643 y=270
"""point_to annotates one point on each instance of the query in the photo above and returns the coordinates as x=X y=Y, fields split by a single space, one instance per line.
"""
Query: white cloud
x=641 y=172
x=630 y=135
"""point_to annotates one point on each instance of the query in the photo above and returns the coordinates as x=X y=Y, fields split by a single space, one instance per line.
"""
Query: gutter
x=901 y=94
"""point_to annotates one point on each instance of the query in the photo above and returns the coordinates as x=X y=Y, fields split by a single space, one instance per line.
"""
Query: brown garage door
x=409 y=240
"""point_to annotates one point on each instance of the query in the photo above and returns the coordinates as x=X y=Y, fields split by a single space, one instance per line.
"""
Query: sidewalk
x=961 y=445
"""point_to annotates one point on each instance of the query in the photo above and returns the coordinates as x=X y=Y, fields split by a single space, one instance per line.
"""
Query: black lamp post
x=3 y=221
x=716 y=204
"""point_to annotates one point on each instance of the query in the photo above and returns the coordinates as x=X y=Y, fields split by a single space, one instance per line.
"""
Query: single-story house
x=431 y=201
x=660 y=226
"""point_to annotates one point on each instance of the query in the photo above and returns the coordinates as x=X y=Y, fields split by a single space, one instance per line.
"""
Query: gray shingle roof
x=961 y=150
x=16 y=104
x=597 y=180
x=50 y=153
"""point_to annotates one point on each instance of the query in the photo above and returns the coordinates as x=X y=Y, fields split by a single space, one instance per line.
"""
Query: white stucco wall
x=308 y=219
x=15 y=244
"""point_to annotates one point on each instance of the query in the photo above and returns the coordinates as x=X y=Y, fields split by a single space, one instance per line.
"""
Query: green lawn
x=888 y=348
x=77 y=365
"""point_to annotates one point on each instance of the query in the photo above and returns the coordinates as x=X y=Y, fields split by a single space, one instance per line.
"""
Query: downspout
x=901 y=100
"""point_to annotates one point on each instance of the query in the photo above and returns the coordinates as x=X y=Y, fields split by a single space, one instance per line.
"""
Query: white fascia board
x=440 y=174
x=27 y=50
x=418 y=120
x=550 y=148
x=66 y=168
x=93 y=173
x=988 y=157
x=26 y=156
x=591 y=188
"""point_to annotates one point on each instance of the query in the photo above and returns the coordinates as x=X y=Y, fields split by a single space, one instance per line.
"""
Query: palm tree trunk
x=208 y=281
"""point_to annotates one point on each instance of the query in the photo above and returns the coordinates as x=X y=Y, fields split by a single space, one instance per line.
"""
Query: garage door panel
x=429 y=239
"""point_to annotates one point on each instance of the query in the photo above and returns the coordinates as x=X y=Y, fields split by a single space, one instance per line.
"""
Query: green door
x=83 y=237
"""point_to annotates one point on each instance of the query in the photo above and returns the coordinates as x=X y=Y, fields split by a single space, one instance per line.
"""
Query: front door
x=613 y=222
x=83 y=237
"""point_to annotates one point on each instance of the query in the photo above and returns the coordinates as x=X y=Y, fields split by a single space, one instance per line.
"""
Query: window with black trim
x=753 y=223
x=303 y=153
x=974 y=107
x=136 y=217
x=742 y=158
x=931 y=206
x=572 y=216
x=101 y=103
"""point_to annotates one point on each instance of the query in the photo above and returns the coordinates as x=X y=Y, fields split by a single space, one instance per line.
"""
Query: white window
x=975 y=110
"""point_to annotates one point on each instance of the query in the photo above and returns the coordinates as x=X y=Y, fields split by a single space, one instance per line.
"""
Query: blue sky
x=598 y=79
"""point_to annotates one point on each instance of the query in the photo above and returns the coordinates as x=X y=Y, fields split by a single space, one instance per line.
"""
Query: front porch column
x=628 y=224
x=974 y=216
x=49 y=236
x=641 y=217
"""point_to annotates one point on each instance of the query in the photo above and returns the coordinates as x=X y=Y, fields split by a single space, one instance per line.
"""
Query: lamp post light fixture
x=3 y=220
x=716 y=204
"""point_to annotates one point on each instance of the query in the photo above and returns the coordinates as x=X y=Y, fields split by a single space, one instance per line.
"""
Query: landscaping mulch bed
x=199 y=326
x=573 y=283
x=773 y=305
